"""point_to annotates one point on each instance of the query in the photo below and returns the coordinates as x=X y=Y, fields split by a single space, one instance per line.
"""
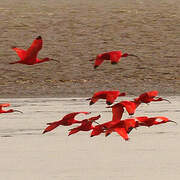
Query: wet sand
x=151 y=153
x=76 y=31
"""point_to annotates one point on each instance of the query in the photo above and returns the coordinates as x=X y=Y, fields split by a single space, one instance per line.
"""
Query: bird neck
x=43 y=60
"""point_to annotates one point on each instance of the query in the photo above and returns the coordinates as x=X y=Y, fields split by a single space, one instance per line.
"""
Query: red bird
x=113 y=56
x=86 y=125
x=118 y=108
x=101 y=128
x=110 y=96
x=7 y=111
x=117 y=111
x=147 y=97
x=67 y=120
x=145 y=121
x=29 y=56
x=122 y=127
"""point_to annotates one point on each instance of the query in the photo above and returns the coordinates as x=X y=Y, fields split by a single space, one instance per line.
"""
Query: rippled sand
x=151 y=153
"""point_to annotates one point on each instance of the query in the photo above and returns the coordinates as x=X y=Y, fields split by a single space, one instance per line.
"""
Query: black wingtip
x=39 y=37
x=113 y=62
x=91 y=103
x=108 y=103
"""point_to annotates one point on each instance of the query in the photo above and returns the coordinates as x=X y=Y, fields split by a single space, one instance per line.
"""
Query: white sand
x=26 y=154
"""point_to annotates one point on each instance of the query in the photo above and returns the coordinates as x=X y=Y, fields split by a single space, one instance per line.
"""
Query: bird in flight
x=67 y=120
x=150 y=96
x=86 y=125
x=113 y=56
x=29 y=56
x=7 y=111
x=110 y=96
x=146 y=121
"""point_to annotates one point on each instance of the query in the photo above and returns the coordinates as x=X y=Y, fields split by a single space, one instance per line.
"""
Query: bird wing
x=32 y=51
x=117 y=112
x=114 y=57
x=98 y=62
x=74 y=130
x=110 y=98
x=130 y=107
x=122 y=132
x=4 y=105
x=20 y=52
x=51 y=127
x=152 y=94
x=129 y=124
x=72 y=115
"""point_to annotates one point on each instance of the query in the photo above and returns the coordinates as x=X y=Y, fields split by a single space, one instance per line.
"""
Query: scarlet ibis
x=29 y=56
x=146 y=121
x=147 y=97
x=110 y=96
x=122 y=127
x=113 y=56
x=7 y=111
x=67 y=120
x=100 y=128
x=130 y=107
x=86 y=125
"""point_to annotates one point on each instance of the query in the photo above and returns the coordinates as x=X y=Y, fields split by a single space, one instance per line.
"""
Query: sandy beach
x=151 y=153
x=76 y=31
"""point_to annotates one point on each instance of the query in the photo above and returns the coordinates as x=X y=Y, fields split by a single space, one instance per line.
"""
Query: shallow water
x=151 y=153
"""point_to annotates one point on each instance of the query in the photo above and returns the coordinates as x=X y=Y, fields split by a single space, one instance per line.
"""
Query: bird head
x=162 y=99
x=126 y=55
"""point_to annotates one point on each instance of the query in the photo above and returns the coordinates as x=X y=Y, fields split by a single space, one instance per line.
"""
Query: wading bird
x=67 y=120
x=29 y=56
x=7 y=111
x=86 y=125
x=110 y=96
x=113 y=56
x=150 y=96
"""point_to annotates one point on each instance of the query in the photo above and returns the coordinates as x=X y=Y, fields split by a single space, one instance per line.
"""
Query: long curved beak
x=54 y=60
x=164 y=99
x=173 y=121
x=167 y=100
x=134 y=55
x=18 y=111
